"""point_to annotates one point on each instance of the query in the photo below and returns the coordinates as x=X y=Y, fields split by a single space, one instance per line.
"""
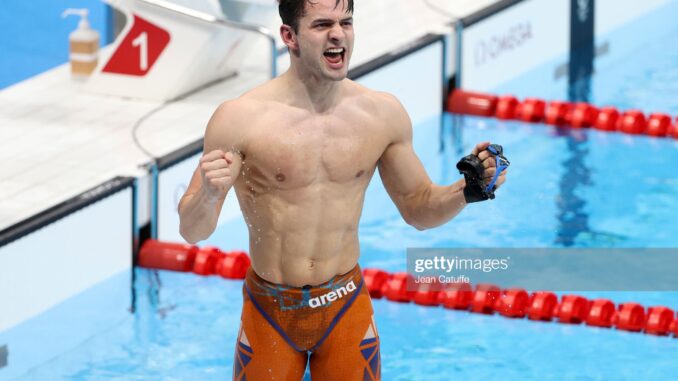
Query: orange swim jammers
x=331 y=324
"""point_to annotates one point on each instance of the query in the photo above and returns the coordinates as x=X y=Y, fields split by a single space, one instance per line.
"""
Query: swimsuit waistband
x=253 y=280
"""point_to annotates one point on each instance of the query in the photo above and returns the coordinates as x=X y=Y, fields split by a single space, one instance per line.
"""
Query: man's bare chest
x=291 y=155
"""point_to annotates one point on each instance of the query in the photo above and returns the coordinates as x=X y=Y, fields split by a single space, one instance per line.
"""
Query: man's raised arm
x=216 y=173
x=421 y=203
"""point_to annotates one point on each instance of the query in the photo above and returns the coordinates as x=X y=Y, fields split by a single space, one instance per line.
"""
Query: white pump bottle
x=84 y=45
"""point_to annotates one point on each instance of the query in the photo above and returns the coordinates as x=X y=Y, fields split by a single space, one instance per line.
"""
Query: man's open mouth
x=335 y=55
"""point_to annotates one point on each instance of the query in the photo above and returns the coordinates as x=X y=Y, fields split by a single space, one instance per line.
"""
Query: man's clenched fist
x=218 y=172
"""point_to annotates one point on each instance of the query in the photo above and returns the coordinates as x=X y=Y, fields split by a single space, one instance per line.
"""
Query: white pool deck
x=58 y=141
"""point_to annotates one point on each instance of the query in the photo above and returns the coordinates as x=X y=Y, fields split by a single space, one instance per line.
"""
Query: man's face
x=325 y=39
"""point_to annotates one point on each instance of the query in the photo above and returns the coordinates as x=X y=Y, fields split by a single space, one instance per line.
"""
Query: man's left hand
x=489 y=163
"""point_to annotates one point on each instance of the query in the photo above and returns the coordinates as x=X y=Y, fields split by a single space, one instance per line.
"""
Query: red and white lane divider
x=563 y=114
x=483 y=299
x=518 y=303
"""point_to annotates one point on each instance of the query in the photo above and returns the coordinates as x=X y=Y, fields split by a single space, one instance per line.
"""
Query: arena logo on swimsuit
x=332 y=295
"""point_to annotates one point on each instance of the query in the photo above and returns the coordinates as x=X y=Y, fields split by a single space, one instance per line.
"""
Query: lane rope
x=562 y=114
x=488 y=299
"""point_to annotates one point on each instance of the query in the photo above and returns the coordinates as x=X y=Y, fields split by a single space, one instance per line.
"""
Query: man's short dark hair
x=292 y=10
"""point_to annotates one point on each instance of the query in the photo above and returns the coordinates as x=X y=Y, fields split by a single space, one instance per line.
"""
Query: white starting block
x=164 y=51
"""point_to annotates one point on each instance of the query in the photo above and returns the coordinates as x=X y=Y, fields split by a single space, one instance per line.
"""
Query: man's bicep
x=400 y=169
x=222 y=129
x=402 y=172
x=216 y=130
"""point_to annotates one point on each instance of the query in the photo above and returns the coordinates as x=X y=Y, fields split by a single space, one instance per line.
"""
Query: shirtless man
x=300 y=151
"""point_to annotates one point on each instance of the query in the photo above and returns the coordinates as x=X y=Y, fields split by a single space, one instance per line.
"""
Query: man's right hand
x=217 y=174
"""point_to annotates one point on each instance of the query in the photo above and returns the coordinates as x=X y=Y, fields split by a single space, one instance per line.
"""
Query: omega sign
x=495 y=46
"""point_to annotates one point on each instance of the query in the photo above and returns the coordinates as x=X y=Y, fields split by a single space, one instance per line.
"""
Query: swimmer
x=299 y=152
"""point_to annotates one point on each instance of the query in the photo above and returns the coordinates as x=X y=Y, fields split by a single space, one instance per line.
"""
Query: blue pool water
x=565 y=189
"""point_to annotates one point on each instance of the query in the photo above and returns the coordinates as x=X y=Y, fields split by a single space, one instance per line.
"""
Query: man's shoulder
x=239 y=106
x=244 y=109
x=376 y=100
x=230 y=120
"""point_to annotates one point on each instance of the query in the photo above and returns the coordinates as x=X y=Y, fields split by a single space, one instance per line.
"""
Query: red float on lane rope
x=674 y=328
x=630 y=317
x=542 y=306
x=375 y=280
x=659 y=321
x=531 y=110
x=673 y=130
x=206 y=260
x=484 y=298
x=584 y=115
x=233 y=265
x=465 y=102
x=513 y=303
x=601 y=313
x=658 y=125
x=632 y=122
x=558 y=113
x=573 y=309
x=426 y=295
x=607 y=119
x=456 y=296
x=167 y=256
x=506 y=107
x=396 y=288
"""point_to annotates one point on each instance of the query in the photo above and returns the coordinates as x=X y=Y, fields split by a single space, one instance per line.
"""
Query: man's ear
x=289 y=37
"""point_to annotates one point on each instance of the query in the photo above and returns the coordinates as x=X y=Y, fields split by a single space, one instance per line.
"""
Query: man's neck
x=318 y=95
